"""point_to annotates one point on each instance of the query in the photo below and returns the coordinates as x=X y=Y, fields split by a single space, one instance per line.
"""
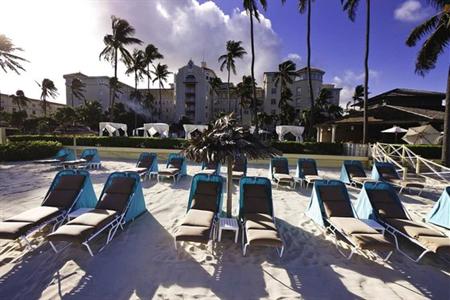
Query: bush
x=17 y=151
x=156 y=143
x=309 y=148
x=427 y=151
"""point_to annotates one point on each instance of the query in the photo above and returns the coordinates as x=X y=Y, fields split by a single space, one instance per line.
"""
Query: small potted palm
x=224 y=141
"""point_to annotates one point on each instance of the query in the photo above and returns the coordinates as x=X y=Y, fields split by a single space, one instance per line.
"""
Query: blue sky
x=67 y=37
x=338 y=44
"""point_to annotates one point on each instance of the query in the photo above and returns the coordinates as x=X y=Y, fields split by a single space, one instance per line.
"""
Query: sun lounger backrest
x=205 y=196
x=355 y=170
x=309 y=167
x=211 y=165
x=117 y=194
x=64 y=191
x=280 y=166
x=335 y=200
x=256 y=199
x=146 y=161
x=176 y=162
x=385 y=203
x=387 y=171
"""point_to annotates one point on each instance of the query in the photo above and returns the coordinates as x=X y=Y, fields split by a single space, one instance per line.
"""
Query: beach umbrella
x=425 y=134
x=396 y=130
x=223 y=142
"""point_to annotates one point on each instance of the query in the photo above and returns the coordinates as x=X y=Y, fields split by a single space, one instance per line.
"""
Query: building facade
x=299 y=88
x=34 y=108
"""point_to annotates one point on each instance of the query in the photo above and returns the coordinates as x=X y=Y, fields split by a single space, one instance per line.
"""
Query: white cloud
x=411 y=11
x=67 y=37
x=349 y=80
x=295 y=57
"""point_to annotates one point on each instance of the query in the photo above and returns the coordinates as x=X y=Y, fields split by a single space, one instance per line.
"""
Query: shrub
x=309 y=148
x=65 y=140
x=17 y=151
x=427 y=151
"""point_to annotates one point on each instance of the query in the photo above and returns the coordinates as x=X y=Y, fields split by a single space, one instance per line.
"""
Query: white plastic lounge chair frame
x=354 y=248
x=174 y=176
x=244 y=228
x=113 y=226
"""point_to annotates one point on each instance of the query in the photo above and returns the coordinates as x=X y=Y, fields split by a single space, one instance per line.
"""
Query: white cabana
x=190 y=128
x=137 y=131
x=112 y=128
x=296 y=131
x=151 y=129
x=425 y=134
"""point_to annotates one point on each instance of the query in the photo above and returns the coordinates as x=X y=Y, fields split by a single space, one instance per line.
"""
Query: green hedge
x=17 y=151
x=141 y=142
x=309 y=148
x=427 y=151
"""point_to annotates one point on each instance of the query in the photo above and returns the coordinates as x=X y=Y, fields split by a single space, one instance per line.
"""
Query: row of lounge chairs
x=66 y=158
x=121 y=201
x=256 y=215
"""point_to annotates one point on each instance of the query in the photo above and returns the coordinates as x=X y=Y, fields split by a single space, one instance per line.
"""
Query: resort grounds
x=142 y=262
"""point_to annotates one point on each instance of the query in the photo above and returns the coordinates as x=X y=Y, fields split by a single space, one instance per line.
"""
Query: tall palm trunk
x=160 y=102
x=112 y=90
x=311 y=92
x=72 y=98
x=446 y=141
x=254 y=100
x=135 y=94
x=44 y=106
x=228 y=91
x=366 y=75
x=229 y=185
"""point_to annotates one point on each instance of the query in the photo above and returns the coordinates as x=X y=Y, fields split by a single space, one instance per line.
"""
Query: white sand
x=142 y=263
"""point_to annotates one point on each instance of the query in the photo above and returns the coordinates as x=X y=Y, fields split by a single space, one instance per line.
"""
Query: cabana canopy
x=151 y=129
x=112 y=128
x=297 y=131
x=190 y=128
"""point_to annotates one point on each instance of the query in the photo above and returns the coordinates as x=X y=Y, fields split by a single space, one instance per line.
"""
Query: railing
x=406 y=160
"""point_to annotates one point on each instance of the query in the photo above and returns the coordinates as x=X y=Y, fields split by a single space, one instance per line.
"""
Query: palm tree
x=234 y=50
x=358 y=96
x=305 y=5
x=351 y=6
x=223 y=142
x=77 y=87
x=251 y=7
x=151 y=53
x=244 y=90
x=137 y=67
x=48 y=89
x=19 y=99
x=8 y=60
x=161 y=73
x=284 y=77
x=437 y=28
x=215 y=83
x=148 y=101
x=122 y=35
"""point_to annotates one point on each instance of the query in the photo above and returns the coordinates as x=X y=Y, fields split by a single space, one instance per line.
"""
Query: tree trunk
x=255 y=101
x=446 y=141
x=229 y=185
x=45 y=107
x=366 y=75
x=72 y=98
x=228 y=91
x=160 y=103
x=136 y=97
x=112 y=89
x=311 y=92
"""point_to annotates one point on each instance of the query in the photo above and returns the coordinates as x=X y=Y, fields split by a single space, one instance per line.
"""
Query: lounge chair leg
x=388 y=256
x=280 y=251
x=244 y=250
x=89 y=248
x=53 y=247
x=28 y=243
x=404 y=253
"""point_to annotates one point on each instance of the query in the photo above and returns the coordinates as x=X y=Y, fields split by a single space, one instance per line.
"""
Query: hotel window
x=273 y=101
x=299 y=91
x=274 y=90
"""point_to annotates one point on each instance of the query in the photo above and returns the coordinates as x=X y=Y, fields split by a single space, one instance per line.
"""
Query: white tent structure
x=151 y=129
x=297 y=131
x=261 y=131
x=112 y=128
x=136 y=131
x=425 y=134
x=190 y=128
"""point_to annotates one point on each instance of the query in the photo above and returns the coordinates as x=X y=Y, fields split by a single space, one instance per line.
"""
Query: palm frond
x=423 y=29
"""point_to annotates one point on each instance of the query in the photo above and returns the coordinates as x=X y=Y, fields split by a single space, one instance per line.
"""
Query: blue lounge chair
x=307 y=171
x=203 y=209
x=330 y=208
x=147 y=165
x=64 y=154
x=89 y=159
x=440 y=214
x=385 y=171
x=69 y=191
x=352 y=172
x=175 y=167
x=380 y=202
x=279 y=172
x=121 y=201
x=211 y=168
x=256 y=214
